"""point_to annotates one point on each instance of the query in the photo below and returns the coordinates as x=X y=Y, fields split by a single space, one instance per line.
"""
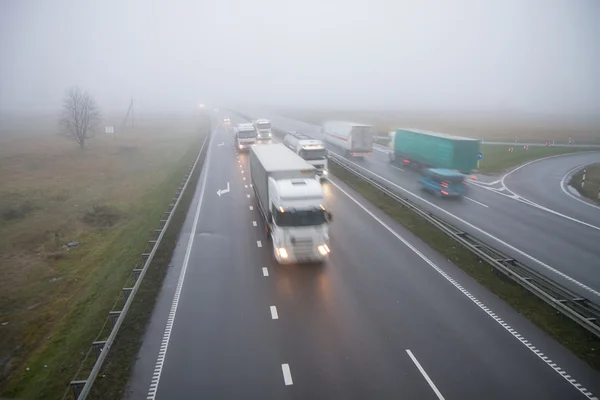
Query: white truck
x=292 y=204
x=263 y=130
x=354 y=139
x=313 y=151
x=245 y=136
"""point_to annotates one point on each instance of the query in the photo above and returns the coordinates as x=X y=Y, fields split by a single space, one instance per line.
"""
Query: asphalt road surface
x=560 y=241
x=385 y=317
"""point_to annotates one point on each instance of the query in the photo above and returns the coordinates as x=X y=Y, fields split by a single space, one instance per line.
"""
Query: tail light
x=444 y=192
x=406 y=160
x=445 y=184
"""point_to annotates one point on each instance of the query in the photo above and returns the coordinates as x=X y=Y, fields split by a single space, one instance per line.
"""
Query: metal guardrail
x=82 y=388
x=583 y=311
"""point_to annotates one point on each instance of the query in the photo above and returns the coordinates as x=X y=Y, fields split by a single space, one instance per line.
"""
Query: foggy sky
x=525 y=55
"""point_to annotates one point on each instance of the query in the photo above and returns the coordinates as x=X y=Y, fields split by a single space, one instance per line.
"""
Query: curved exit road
x=555 y=244
x=385 y=317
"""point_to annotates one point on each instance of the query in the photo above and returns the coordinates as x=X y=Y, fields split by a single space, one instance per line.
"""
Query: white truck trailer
x=354 y=139
x=263 y=130
x=245 y=136
x=292 y=204
x=311 y=150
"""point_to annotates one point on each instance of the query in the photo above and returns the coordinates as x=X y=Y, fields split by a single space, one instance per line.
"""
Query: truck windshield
x=266 y=125
x=246 y=134
x=313 y=154
x=299 y=218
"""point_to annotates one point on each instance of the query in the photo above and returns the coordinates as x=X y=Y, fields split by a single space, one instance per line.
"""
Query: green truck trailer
x=436 y=150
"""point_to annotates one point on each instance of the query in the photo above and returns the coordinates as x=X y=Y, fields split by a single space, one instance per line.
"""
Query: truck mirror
x=269 y=217
x=328 y=216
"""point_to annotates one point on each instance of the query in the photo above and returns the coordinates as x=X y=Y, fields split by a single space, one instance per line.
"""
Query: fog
x=538 y=56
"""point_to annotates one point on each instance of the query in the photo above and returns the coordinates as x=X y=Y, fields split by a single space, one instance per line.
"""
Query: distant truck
x=292 y=204
x=263 y=130
x=313 y=151
x=245 y=136
x=423 y=149
x=356 y=140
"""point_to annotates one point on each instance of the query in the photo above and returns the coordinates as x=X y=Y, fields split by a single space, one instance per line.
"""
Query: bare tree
x=80 y=115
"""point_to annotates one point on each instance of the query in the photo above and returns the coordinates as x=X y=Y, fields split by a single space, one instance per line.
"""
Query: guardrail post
x=114 y=315
x=583 y=178
x=145 y=257
x=136 y=274
x=98 y=347
x=157 y=233
x=127 y=292
x=77 y=386
x=163 y=222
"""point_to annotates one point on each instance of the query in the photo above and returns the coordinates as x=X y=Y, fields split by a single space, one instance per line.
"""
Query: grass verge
x=568 y=333
x=499 y=158
x=115 y=373
x=591 y=187
x=109 y=198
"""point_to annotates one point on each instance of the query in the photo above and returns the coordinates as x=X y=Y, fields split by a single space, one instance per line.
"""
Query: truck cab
x=263 y=130
x=443 y=182
x=311 y=150
x=245 y=136
x=298 y=221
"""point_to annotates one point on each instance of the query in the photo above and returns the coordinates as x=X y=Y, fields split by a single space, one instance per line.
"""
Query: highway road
x=561 y=242
x=385 y=317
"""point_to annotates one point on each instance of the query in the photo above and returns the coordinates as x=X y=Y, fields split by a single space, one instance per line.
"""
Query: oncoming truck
x=292 y=204
x=354 y=139
x=313 y=151
x=263 y=130
x=245 y=136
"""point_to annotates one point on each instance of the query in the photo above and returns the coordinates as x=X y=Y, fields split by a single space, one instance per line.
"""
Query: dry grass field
x=109 y=197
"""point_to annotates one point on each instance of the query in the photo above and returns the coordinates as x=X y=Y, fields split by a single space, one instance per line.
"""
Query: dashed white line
x=259 y=243
x=475 y=201
x=246 y=186
x=398 y=168
x=162 y=353
x=253 y=223
x=482 y=306
x=248 y=195
x=251 y=208
x=244 y=178
x=427 y=378
x=274 y=314
x=265 y=271
x=287 y=374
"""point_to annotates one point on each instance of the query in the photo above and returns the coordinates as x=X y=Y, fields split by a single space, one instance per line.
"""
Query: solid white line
x=274 y=314
x=258 y=243
x=422 y=371
x=287 y=374
x=464 y=291
x=253 y=223
x=171 y=319
x=563 y=185
x=502 y=242
x=251 y=208
x=265 y=271
x=398 y=168
x=475 y=201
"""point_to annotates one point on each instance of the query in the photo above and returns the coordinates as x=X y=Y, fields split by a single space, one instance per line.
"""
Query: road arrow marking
x=223 y=191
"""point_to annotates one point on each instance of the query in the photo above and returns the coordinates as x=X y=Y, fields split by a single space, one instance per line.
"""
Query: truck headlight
x=269 y=135
x=324 y=172
x=323 y=250
x=282 y=252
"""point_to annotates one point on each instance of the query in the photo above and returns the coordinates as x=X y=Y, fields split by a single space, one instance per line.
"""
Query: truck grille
x=302 y=247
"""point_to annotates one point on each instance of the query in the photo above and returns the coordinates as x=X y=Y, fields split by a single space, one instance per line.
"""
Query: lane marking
x=248 y=195
x=258 y=243
x=475 y=201
x=253 y=223
x=481 y=305
x=427 y=378
x=251 y=208
x=489 y=235
x=563 y=186
x=287 y=374
x=244 y=178
x=274 y=314
x=265 y=271
x=398 y=168
x=162 y=353
x=245 y=186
